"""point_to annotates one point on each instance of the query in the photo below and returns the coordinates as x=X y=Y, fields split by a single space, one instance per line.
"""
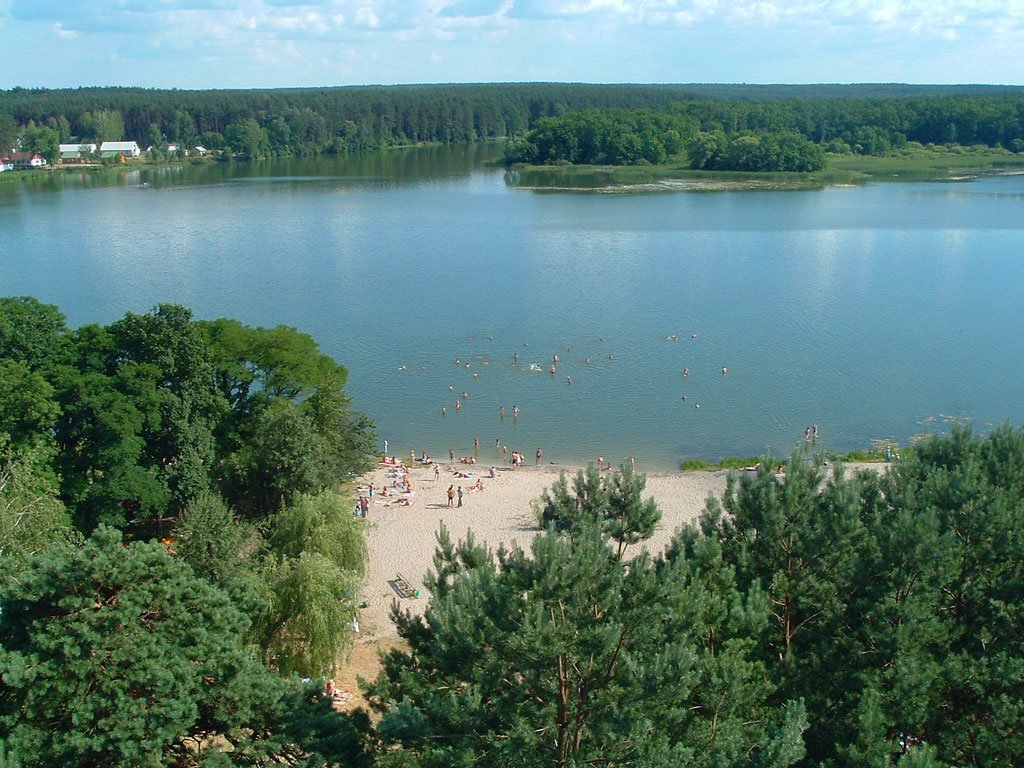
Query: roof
x=77 y=148
x=118 y=146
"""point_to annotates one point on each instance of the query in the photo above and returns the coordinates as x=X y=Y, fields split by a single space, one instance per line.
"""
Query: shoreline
x=401 y=539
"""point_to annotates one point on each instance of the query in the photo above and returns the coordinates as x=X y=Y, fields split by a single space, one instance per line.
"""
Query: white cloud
x=367 y=17
x=520 y=36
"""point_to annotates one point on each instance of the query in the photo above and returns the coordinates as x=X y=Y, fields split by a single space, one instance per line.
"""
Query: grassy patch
x=728 y=463
x=918 y=163
x=913 y=163
x=670 y=177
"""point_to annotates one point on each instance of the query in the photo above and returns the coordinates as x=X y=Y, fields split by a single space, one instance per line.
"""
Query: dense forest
x=871 y=119
x=174 y=554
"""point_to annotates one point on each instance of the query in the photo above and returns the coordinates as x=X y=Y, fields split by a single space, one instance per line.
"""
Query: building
x=6 y=164
x=126 y=148
x=28 y=160
x=76 y=153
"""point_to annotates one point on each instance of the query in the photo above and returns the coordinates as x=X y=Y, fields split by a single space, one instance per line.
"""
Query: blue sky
x=274 y=43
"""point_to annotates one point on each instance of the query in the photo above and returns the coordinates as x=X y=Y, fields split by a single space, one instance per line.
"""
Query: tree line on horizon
x=868 y=119
x=175 y=557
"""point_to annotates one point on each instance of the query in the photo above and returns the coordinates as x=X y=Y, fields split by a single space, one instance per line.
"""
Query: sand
x=402 y=539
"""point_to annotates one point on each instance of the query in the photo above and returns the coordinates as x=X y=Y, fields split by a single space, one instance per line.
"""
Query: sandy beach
x=402 y=539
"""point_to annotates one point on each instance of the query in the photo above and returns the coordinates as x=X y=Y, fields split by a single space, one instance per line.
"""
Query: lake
x=880 y=311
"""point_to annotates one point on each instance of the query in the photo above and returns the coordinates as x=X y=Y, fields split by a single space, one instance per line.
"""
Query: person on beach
x=437 y=472
x=451 y=495
x=493 y=473
x=371 y=490
x=460 y=495
x=540 y=455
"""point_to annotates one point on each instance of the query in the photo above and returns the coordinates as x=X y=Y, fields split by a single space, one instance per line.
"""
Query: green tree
x=119 y=655
x=45 y=141
x=318 y=560
x=28 y=410
x=31 y=515
x=615 y=502
x=247 y=139
x=102 y=125
x=32 y=333
x=165 y=352
x=564 y=656
x=8 y=132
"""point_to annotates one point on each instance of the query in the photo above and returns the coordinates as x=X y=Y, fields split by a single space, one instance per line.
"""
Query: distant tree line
x=260 y=123
x=773 y=135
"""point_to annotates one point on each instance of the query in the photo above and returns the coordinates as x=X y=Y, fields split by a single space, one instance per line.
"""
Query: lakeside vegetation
x=913 y=163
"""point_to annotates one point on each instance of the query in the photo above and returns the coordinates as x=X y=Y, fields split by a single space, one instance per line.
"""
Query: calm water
x=876 y=311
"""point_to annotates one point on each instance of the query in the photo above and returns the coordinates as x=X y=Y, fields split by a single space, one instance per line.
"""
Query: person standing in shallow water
x=540 y=455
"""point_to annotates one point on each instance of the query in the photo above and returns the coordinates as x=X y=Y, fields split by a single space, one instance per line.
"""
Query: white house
x=6 y=164
x=28 y=160
x=126 y=148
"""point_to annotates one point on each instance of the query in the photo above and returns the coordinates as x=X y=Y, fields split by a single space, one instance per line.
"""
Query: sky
x=279 y=43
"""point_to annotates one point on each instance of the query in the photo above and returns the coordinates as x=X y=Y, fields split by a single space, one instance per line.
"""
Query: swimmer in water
x=686 y=372
x=444 y=410
x=697 y=406
x=568 y=380
x=458 y=404
x=501 y=411
x=725 y=371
